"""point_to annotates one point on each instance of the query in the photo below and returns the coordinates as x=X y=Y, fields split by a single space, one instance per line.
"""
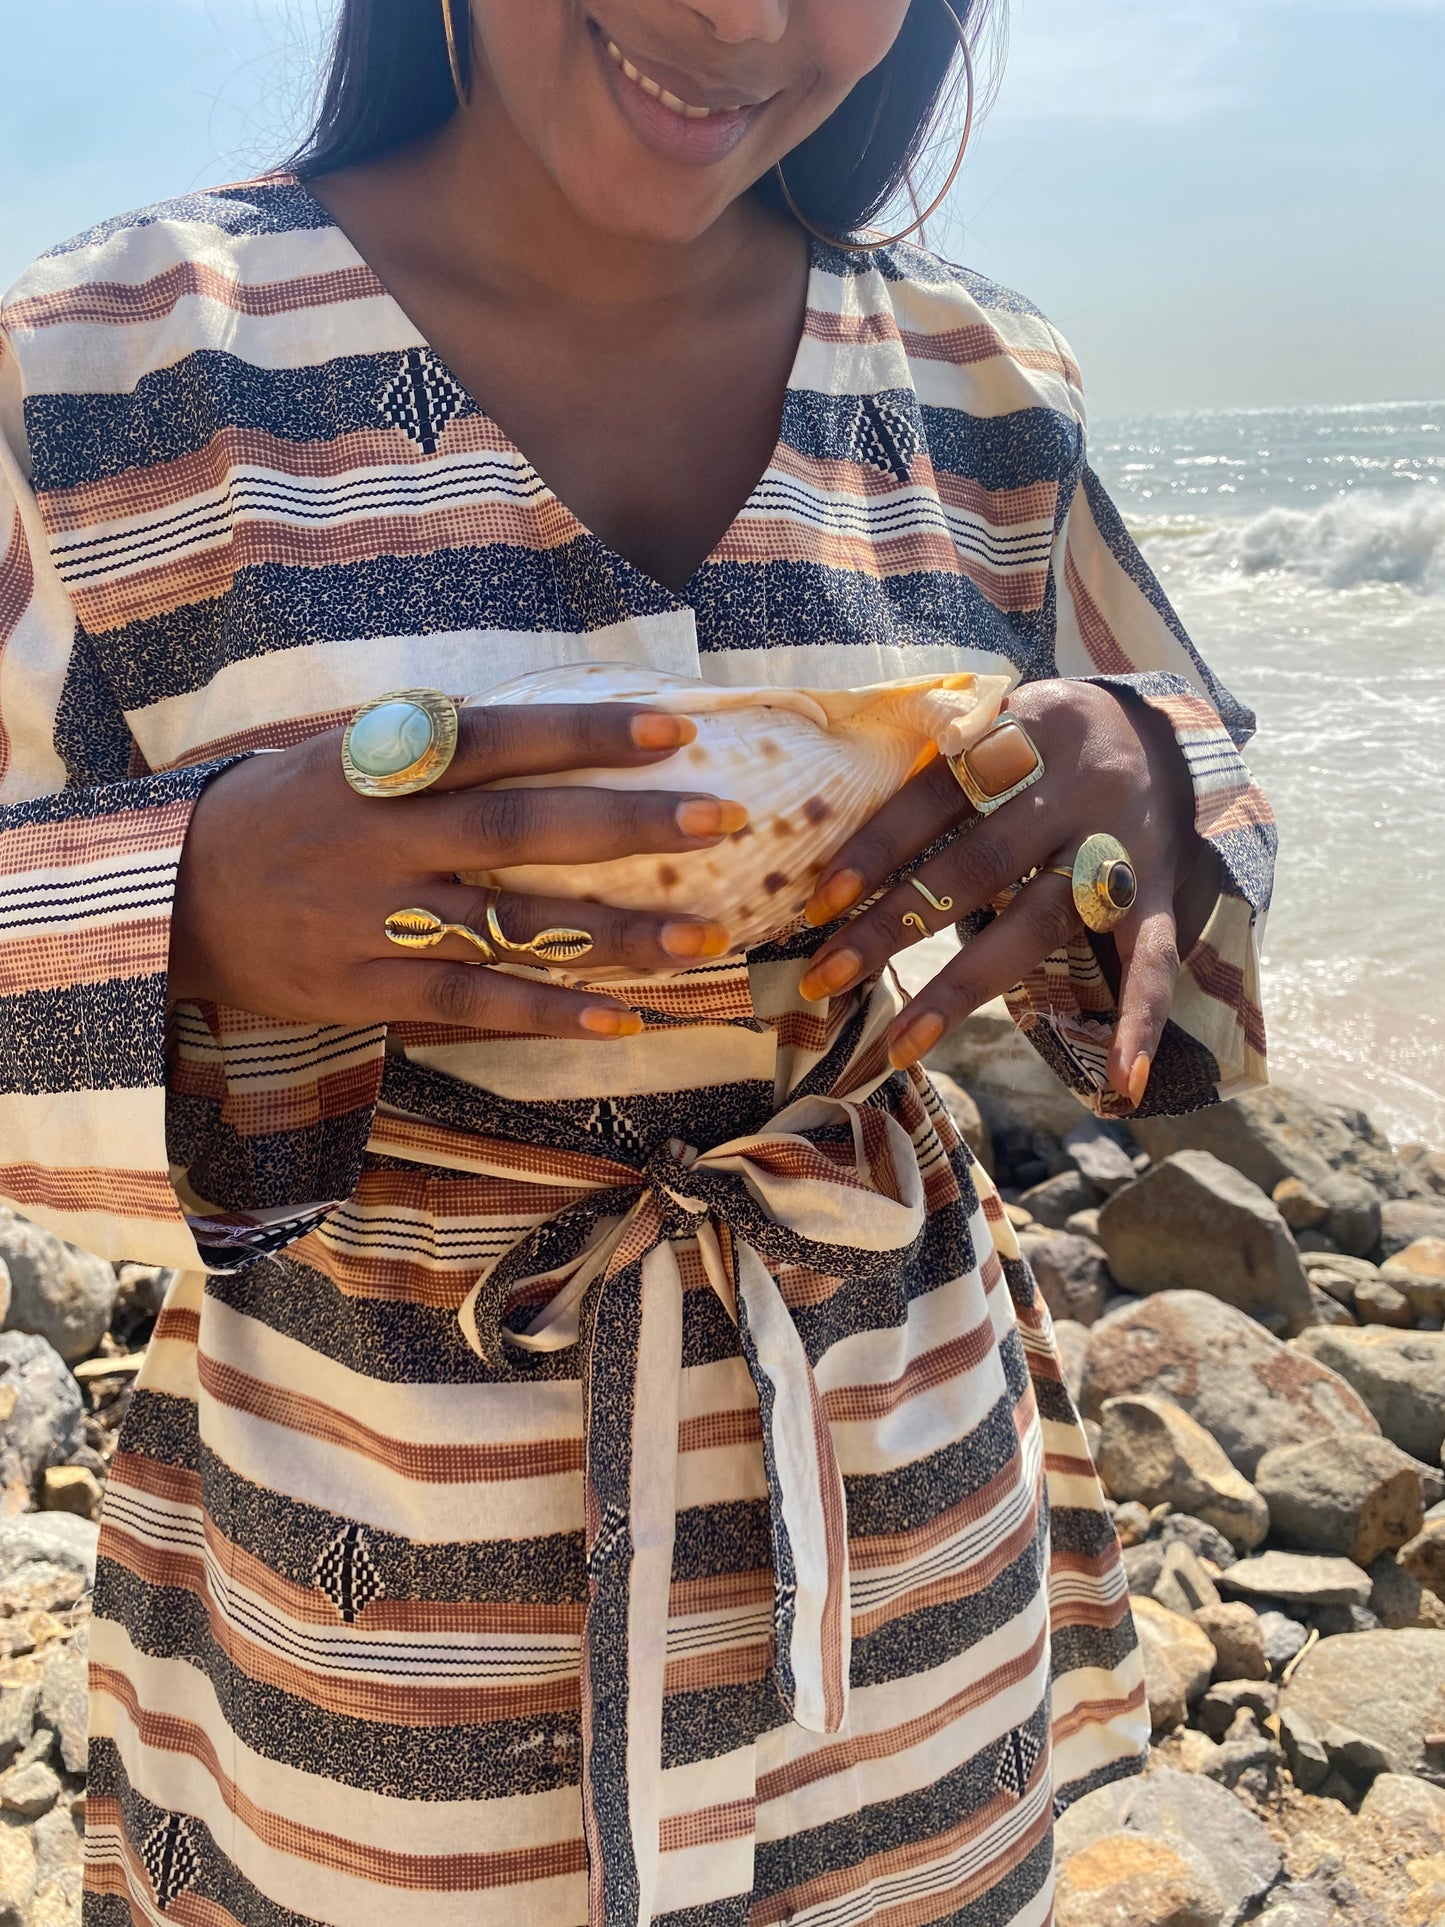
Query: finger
x=632 y=938
x=537 y=739
x=493 y=829
x=475 y=997
x=1148 y=949
x=971 y=872
x=922 y=810
x=1039 y=921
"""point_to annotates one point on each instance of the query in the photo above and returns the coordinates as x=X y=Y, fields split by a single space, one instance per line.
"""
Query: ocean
x=1304 y=550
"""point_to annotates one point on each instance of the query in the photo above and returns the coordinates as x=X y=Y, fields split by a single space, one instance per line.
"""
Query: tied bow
x=845 y=1201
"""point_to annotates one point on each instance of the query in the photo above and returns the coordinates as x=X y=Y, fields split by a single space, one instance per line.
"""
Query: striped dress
x=570 y=1482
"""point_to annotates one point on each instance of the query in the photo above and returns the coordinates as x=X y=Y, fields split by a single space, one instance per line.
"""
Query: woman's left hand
x=1109 y=765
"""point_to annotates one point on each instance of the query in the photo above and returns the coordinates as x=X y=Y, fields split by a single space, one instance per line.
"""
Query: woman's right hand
x=288 y=875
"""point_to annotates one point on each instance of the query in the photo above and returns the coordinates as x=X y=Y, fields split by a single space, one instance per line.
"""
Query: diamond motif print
x=421 y=398
x=611 y=1123
x=611 y=1534
x=346 y=1573
x=1020 y=1755
x=170 y=1858
x=885 y=437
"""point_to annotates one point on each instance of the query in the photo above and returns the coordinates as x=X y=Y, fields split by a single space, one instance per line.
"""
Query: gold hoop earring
x=890 y=240
x=463 y=89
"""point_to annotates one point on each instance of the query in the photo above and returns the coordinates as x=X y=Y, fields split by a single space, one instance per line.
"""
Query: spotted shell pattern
x=810 y=765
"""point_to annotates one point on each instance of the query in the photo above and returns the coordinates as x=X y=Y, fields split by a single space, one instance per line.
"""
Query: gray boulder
x=55 y=1538
x=63 y=1703
x=1424 y=1557
x=42 y=1415
x=1185 y=1587
x=1071 y=1275
x=1241 y=1853
x=1237 y=1637
x=1055 y=1201
x=1152 y=1450
x=1178 y=1662
x=1243 y=1386
x=1419 y=1272
x=1375 y=1700
x=1379 y=1302
x=1137 y=1878
x=1160 y=1810
x=1282 y=1636
x=1413 y=1810
x=1100 y=1156
x=1354 y=1494
x=1300 y=1904
x=1071 y=1341
x=1337 y=1273
x=1220 y=1707
x=1297 y=1579
x=1328 y=1310
x=1193 y=1223
x=66 y=1296
x=1404 y=1220
x=1202 y=1540
x=1278 y=1133
x=1399 y=1375
x=1399 y=1601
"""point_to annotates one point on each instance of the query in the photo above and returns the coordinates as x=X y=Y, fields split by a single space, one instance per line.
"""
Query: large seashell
x=811 y=765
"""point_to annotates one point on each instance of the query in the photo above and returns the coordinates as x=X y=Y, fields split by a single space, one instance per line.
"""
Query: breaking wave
x=1356 y=541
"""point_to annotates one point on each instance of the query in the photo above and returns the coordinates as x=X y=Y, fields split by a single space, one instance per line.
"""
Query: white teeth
x=659 y=93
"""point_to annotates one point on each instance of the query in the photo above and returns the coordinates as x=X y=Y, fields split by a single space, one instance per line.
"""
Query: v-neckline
x=682 y=598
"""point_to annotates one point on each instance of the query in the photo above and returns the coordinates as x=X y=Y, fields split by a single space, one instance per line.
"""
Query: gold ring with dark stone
x=1104 y=880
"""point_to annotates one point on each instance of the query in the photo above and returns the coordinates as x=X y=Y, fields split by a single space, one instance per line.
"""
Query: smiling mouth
x=684 y=110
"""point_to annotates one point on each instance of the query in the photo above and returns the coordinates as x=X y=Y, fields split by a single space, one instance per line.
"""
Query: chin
x=646 y=211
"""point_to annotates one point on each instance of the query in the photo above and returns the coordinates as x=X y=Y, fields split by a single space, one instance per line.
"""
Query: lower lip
x=699 y=143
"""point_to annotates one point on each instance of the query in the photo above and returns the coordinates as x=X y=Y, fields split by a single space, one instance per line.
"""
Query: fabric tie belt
x=845 y=1201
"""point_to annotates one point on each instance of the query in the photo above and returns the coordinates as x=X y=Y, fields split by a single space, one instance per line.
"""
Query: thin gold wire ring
x=463 y=92
x=911 y=919
x=888 y=241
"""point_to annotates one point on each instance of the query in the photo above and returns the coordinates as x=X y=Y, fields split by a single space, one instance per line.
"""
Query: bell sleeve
x=1114 y=626
x=87 y=1044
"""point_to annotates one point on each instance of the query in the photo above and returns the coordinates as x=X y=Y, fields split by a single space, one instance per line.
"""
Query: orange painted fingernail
x=709 y=816
x=833 y=974
x=1139 y=1079
x=920 y=1036
x=696 y=939
x=655 y=730
x=833 y=896
x=603 y=1022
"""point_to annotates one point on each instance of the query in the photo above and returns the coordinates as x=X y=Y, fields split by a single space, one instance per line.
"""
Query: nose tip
x=738 y=21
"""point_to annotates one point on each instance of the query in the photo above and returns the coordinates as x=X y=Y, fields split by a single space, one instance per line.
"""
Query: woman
x=604 y=1458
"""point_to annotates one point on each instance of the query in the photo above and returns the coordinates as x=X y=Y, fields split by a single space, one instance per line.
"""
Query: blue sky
x=1233 y=203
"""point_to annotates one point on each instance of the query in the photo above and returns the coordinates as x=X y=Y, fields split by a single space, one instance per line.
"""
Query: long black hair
x=389 y=82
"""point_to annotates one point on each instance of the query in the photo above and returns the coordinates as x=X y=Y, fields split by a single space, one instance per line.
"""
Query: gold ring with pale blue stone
x=399 y=743
x=1104 y=880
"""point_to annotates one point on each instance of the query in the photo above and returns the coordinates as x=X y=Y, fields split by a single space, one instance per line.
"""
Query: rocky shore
x=1250 y=1305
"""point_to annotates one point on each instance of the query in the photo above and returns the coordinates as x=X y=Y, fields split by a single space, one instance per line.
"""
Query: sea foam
x=1355 y=541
